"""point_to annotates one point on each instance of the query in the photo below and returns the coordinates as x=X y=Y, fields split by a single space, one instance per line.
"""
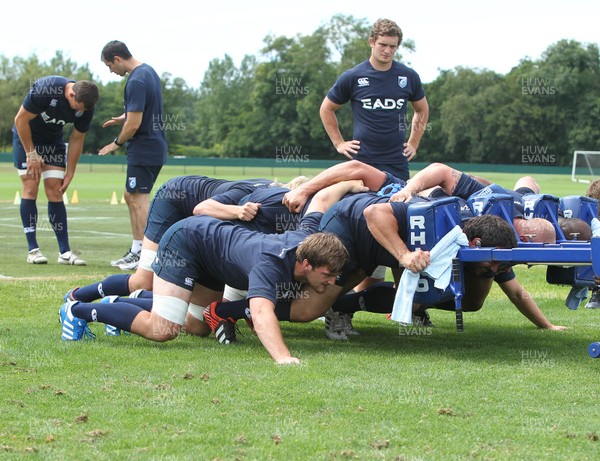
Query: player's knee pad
x=196 y=311
x=233 y=294
x=170 y=308
x=57 y=174
x=146 y=259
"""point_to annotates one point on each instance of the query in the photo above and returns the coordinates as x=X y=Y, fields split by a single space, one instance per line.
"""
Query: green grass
x=501 y=390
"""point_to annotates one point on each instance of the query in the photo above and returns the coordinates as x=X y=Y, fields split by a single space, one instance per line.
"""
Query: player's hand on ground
x=558 y=328
x=288 y=361
x=415 y=261
x=248 y=211
x=348 y=148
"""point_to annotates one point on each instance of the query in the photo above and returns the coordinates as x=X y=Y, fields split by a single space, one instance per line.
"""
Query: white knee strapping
x=58 y=174
x=146 y=259
x=379 y=272
x=22 y=172
x=196 y=311
x=170 y=308
x=233 y=294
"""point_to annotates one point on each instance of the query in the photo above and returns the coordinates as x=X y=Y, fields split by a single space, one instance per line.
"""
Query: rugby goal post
x=586 y=166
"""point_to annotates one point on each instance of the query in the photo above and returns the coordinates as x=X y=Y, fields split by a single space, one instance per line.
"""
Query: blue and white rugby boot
x=73 y=328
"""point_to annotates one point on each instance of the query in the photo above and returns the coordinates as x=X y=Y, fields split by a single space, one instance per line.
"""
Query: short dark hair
x=492 y=230
x=115 y=48
x=323 y=249
x=87 y=93
x=386 y=28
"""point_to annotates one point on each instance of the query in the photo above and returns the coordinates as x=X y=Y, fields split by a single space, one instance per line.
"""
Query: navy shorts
x=53 y=155
x=165 y=210
x=175 y=261
x=141 y=179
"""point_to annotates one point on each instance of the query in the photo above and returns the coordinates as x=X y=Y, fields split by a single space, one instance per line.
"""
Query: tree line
x=268 y=106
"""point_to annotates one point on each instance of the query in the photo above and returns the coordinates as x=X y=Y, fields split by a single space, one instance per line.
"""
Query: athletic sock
x=136 y=246
x=144 y=303
x=57 y=215
x=240 y=309
x=145 y=294
x=29 y=217
x=119 y=314
x=117 y=284
x=235 y=310
x=378 y=298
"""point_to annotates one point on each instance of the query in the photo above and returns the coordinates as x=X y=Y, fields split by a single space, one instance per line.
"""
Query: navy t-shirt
x=143 y=93
x=47 y=99
x=263 y=264
x=355 y=233
x=190 y=190
x=273 y=216
x=379 y=101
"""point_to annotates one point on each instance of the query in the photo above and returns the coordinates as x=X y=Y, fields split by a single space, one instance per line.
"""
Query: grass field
x=501 y=390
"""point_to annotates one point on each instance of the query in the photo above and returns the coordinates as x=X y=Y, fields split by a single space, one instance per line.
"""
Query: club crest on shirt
x=402 y=81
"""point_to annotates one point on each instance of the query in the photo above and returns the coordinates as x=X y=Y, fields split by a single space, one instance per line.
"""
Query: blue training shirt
x=379 y=101
x=143 y=93
x=355 y=234
x=47 y=98
x=188 y=191
x=263 y=264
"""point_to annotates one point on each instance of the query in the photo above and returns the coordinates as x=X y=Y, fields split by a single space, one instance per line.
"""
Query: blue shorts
x=141 y=179
x=165 y=210
x=175 y=262
x=53 y=155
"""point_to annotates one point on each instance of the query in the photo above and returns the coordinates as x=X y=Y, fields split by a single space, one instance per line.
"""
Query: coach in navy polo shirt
x=143 y=132
x=380 y=90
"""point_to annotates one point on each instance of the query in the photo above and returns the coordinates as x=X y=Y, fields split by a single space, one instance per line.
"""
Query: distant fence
x=274 y=164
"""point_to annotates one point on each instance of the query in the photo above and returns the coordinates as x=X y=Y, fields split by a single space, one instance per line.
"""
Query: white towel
x=595 y=227
x=439 y=269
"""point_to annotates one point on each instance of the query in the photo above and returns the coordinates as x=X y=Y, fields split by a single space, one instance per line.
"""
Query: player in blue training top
x=144 y=133
x=380 y=90
x=40 y=152
x=203 y=253
x=179 y=198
